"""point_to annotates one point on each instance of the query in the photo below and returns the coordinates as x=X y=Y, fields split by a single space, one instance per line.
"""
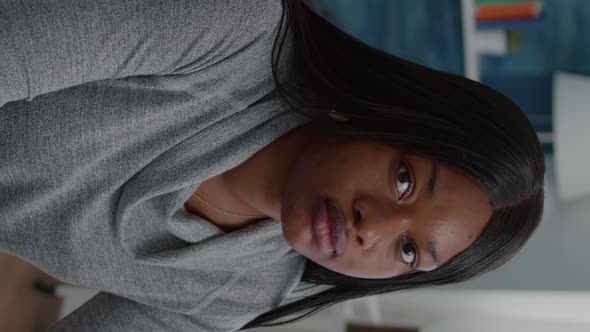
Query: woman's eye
x=404 y=181
x=408 y=253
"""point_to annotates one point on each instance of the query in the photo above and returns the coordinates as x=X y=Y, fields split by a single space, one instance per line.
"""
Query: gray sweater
x=112 y=112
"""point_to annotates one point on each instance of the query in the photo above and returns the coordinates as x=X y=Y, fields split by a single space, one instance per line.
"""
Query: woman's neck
x=259 y=181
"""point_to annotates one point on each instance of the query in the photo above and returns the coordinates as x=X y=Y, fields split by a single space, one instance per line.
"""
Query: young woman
x=196 y=161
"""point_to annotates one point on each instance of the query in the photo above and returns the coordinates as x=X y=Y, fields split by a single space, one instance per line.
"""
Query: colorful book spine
x=512 y=24
x=512 y=11
x=499 y=2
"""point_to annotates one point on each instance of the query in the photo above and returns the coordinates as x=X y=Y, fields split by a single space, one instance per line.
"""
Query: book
x=529 y=24
x=513 y=11
x=500 y=2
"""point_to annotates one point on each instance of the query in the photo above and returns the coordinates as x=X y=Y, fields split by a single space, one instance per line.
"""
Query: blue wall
x=423 y=31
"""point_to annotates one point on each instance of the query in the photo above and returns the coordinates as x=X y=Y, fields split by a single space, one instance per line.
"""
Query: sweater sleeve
x=49 y=45
x=228 y=308
x=106 y=312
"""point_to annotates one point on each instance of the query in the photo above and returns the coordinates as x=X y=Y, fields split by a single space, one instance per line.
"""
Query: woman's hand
x=23 y=307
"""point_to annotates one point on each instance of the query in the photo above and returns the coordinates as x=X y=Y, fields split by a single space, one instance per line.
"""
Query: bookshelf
x=483 y=41
x=470 y=52
x=478 y=41
x=485 y=24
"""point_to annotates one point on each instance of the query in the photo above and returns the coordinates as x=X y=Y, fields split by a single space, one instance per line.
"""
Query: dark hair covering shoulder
x=442 y=116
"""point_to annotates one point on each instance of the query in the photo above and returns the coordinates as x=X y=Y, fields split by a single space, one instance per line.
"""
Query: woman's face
x=414 y=214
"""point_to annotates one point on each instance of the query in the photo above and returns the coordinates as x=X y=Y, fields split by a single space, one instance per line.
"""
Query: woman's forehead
x=458 y=213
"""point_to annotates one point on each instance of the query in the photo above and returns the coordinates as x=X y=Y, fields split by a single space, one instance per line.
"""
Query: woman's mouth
x=328 y=227
x=337 y=223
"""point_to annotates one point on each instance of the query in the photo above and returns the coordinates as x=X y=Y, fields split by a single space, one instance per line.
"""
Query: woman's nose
x=366 y=237
x=373 y=225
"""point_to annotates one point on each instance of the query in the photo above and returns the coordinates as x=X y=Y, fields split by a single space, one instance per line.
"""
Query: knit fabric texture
x=112 y=112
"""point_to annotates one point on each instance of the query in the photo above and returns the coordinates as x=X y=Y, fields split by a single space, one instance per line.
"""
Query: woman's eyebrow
x=431 y=247
x=432 y=182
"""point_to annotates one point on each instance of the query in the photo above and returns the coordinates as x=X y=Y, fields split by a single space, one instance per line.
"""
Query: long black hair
x=441 y=116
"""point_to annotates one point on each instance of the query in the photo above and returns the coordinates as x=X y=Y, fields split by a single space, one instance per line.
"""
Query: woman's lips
x=328 y=226
x=322 y=231
x=337 y=223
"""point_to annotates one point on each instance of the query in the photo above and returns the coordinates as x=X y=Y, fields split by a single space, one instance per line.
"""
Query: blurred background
x=537 y=53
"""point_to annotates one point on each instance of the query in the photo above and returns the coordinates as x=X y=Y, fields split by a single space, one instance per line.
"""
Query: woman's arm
x=49 y=45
